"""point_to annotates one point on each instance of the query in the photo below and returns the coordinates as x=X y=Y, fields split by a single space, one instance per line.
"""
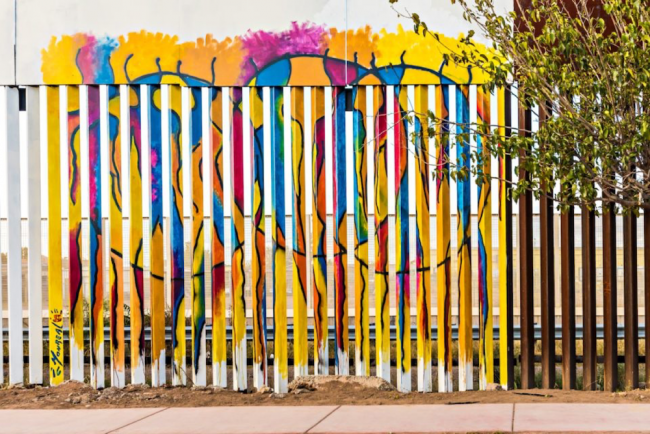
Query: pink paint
x=94 y=152
x=339 y=72
x=263 y=47
x=87 y=59
x=237 y=149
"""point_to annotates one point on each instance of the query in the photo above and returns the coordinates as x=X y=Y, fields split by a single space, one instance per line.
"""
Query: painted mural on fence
x=306 y=54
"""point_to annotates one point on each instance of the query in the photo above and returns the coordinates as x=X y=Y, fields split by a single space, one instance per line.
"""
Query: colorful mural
x=238 y=241
x=136 y=246
x=340 y=235
x=219 y=374
x=486 y=350
x=463 y=231
x=278 y=231
x=299 y=219
x=75 y=285
x=96 y=319
x=305 y=54
x=402 y=251
x=116 y=277
x=198 y=236
x=443 y=242
x=382 y=299
x=505 y=246
x=422 y=238
x=157 y=262
x=258 y=250
x=361 y=284
x=179 y=375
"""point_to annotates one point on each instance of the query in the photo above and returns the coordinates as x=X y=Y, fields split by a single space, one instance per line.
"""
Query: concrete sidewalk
x=470 y=418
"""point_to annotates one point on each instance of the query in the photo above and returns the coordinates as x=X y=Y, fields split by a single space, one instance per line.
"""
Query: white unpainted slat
x=494 y=162
x=473 y=144
x=207 y=211
x=453 y=185
x=350 y=170
x=248 y=166
x=239 y=373
x=390 y=136
x=116 y=376
x=84 y=170
x=308 y=140
x=370 y=154
x=98 y=372
x=219 y=374
x=158 y=369
x=2 y=343
x=180 y=378
x=410 y=143
x=137 y=369
x=329 y=226
x=35 y=277
x=164 y=134
x=328 y=158
x=288 y=167
x=534 y=128
x=432 y=160
x=96 y=367
x=390 y=172
x=166 y=179
x=12 y=196
x=514 y=122
x=268 y=193
x=225 y=112
x=145 y=160
x=370 y=177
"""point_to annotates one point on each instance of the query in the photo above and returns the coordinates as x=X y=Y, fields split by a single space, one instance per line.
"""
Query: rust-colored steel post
x=630 y=302
x=526 y=267
x=547 y=278
x=568 y=300
x=609 y=299
x=646 y=267
x=589 y=299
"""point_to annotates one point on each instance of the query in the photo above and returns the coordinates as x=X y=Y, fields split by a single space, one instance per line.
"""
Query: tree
x=588 y=63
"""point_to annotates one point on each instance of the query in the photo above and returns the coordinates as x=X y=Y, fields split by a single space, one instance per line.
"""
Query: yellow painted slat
x=319 y=226
x=116 y=278
x=75 y=280
x=136 y=246
x=422 y=238
x=219 y=372
x=443 y=237
x=402 y=257
x=258 y=245
x=278 y=222
x=300 y=345
x=382 y=299
x=361 y=284
x=486 y=350
x=238 y=271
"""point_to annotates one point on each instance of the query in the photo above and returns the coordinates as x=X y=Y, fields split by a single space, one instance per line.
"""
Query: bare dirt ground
x=351 y=392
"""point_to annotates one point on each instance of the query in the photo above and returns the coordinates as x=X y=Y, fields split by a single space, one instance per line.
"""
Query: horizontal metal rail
x=620 y=333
